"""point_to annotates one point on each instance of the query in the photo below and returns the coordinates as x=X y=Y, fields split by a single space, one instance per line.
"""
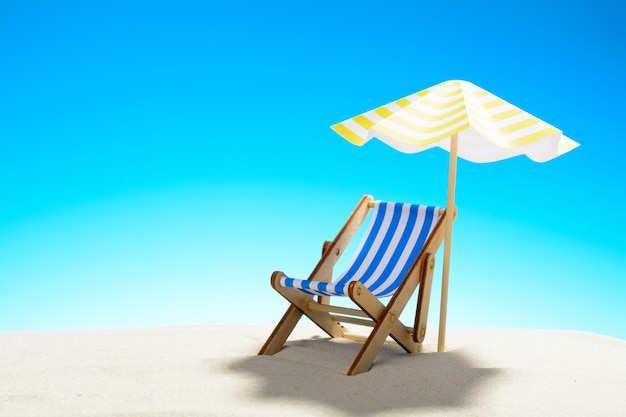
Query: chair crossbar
x=353 y=320
x=372 y=204
x=336 y=309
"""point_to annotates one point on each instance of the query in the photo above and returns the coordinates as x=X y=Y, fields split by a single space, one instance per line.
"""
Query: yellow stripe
x=433 y=117
x=403 y=102
x=429 y=89
x=436 y=105
x=522 y=124
x=453 y=83
x=410 y=141
x=492 y=104
x=505 y=114
x=423 y=92
x=426 y=129
x=348 y=134
x=446 y=93
x=544 y=133
x=363 y=121
x=475 y=109
x=492 y=136
x=504 y=130
x=383 y=112
x=482 y=93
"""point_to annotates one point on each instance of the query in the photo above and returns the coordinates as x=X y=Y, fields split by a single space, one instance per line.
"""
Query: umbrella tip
x=456 y=83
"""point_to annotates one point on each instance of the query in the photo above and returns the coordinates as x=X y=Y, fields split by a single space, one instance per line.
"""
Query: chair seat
x=395 y=235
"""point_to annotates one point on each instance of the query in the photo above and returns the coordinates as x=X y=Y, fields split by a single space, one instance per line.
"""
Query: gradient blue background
x=160 y=159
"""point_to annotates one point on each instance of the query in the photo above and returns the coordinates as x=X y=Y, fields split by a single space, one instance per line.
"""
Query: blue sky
x=160 y=159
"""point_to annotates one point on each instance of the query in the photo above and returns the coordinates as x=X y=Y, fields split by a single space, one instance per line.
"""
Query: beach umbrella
x=465 y=120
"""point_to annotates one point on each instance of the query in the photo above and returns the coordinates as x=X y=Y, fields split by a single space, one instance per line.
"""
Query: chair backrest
x=393 y=240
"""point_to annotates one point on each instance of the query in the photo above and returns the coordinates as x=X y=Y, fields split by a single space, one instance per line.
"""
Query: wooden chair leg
x=299 y=306
x=322 y=299
x=387 y=324
x=375 y=309
x=371 y=347
x=282 y=331
x=423 y=299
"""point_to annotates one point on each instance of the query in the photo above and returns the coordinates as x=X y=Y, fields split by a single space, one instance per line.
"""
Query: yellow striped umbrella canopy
x=465 y=120
x=489 y=128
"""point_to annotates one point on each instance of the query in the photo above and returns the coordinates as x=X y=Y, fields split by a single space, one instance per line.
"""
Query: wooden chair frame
x=383 y=318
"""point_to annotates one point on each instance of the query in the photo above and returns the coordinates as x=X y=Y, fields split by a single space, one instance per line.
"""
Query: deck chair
x=395 y=256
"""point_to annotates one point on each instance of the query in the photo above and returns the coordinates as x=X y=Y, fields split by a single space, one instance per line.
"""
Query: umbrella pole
x=451 y=214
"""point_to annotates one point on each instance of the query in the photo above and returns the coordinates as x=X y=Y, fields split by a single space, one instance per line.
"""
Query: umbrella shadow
x=313 y=371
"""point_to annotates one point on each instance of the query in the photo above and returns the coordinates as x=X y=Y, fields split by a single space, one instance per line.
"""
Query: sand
x=214 y=371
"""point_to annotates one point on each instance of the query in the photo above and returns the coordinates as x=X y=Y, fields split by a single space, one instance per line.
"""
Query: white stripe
x=403 y=146
x=542 y=150
x=375 y=245
x=421 y=217
x=434 y=111
x=476 y=148
x=356 y=128
x=393 y=107
x=373 y=116
x=387 y=129
x=408 y=117
x=507 y=138
x=391 y=247
x=362 y=243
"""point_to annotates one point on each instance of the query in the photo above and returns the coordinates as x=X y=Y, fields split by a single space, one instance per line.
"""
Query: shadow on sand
x=313 y=371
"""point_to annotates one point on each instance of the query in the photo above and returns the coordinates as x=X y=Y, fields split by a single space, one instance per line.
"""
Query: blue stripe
x=395 y=220
x=290 y=283
x=421 y=239
x=322 y=287
x=381 y=210
x=402 y=243
x=341 y=289
x=306 y=286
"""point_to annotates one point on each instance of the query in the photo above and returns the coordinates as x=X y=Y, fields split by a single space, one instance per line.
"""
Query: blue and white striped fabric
x=396 y=234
